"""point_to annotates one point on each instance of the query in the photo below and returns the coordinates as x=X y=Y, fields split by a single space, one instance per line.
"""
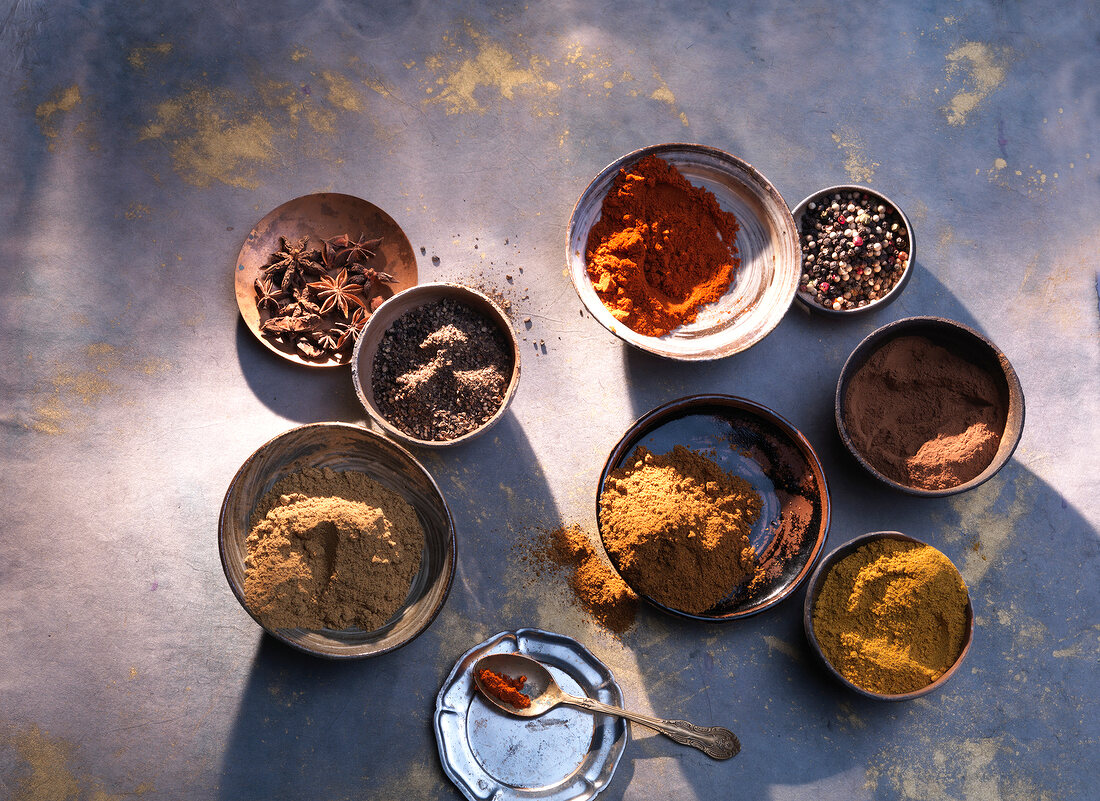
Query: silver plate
x=565 y=754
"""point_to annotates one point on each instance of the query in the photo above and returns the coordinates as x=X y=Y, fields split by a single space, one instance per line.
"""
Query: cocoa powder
x=923 y=416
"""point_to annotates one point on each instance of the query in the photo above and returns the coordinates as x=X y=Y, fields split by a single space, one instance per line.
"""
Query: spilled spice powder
x=597 y=588
x=677 y=526
x=661 y=249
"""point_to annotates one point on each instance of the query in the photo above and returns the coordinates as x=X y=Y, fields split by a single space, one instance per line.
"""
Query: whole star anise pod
x=295 y=261
x=350 y=331
x=337 y=292
x=357 y=251
x=268 y=296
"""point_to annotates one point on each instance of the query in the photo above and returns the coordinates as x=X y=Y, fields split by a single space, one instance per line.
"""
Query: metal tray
x=565 y=754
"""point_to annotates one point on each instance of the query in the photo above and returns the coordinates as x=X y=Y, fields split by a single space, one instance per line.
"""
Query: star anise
x=357 y=251
x=351 y=330
x=268 y=296
x=338 y=292
x=294 y=260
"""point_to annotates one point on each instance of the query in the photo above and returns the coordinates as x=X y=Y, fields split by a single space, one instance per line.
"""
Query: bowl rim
x=871 y=343
x=681 y=407
x=895 y=290
x=433 y=291
x=813 y=588
x=641 y=341
x=451 y=557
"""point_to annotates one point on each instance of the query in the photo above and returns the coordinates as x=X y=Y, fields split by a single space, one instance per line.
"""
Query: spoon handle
x=714 y=741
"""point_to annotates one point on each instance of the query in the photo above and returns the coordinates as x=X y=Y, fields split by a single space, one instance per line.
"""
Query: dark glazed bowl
x=807 y=300
x=755 y=443
x=813 y=589
x=965 y=343
x=344 y=447
x=366 y=349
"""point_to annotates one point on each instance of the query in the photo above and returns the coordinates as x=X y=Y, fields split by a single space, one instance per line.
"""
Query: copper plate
x=753 y=442
x=319 y=216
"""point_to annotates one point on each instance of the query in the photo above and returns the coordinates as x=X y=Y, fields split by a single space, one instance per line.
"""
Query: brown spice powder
x=598 y=589
x=678 y=527
x=331 y=550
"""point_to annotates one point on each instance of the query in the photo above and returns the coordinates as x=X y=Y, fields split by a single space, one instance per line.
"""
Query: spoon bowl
x=545 y=694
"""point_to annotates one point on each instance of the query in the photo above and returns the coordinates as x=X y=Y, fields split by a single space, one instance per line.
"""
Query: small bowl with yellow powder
x=684 y=251
x=889 y=616
x=337 y=541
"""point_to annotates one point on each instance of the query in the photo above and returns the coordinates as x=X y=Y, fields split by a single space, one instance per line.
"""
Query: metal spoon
x=545 y=694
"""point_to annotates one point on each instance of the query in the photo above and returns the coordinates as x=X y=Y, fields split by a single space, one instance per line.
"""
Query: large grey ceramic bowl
x=963 y=342
x=813 y=590
x=344 y=447
x=762 y=289
x=366 y=350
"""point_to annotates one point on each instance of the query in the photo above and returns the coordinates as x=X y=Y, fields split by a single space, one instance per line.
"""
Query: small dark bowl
x=808 y=301
x=813 y=589
x=362 y=361
x=965 y=343
x=755 y=443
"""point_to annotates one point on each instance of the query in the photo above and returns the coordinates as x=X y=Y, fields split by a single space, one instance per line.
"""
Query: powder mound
x=661 y=249
x=598 y=589
x=327 y=561
x=678 y=527
x=891 y=616
x=923 y=416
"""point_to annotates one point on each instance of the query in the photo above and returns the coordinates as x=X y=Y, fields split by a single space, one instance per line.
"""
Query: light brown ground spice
x=329 y=550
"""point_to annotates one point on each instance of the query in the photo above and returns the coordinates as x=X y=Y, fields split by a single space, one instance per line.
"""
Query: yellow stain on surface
x=485 y=69
x=342 y=92
x=49 y=113
x=857 y=165
x=71 y=388
x=782 y=646
x=214 y=136
x=980 y=521
x=299 y=53
x=981 y=71
x=47 y=772
x=139 y=56
x=137 y=211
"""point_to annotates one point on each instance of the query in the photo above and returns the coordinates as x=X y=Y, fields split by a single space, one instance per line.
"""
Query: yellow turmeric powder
x=891 y=616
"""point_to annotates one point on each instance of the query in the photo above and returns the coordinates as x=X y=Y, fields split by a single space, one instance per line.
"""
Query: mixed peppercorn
x=855 y=248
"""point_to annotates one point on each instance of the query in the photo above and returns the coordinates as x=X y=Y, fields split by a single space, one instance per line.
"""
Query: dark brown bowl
x=965 y=343
x=755 y=443
x=813 y=589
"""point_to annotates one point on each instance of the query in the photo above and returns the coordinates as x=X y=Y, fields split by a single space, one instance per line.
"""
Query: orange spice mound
x=598 y=589
x=505 y=688
x=661 y=249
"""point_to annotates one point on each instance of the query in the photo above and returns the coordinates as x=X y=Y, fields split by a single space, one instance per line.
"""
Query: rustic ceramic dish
x=344 y=447
x=755 y=443
x=763 y=287
x=366 y=350
x=813 y=589
x=319 y=216
x=806 y=299
x=964 y=342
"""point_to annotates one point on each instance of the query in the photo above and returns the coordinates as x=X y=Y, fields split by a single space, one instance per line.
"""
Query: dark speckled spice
x=441 y=371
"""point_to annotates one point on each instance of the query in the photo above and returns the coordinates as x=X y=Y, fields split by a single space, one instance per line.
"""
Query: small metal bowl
x=965 y=343
x=344 y=447
x=806 y=299
x=813 y=589
x=366 y=350
x=755 y=443
x=763 y=287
